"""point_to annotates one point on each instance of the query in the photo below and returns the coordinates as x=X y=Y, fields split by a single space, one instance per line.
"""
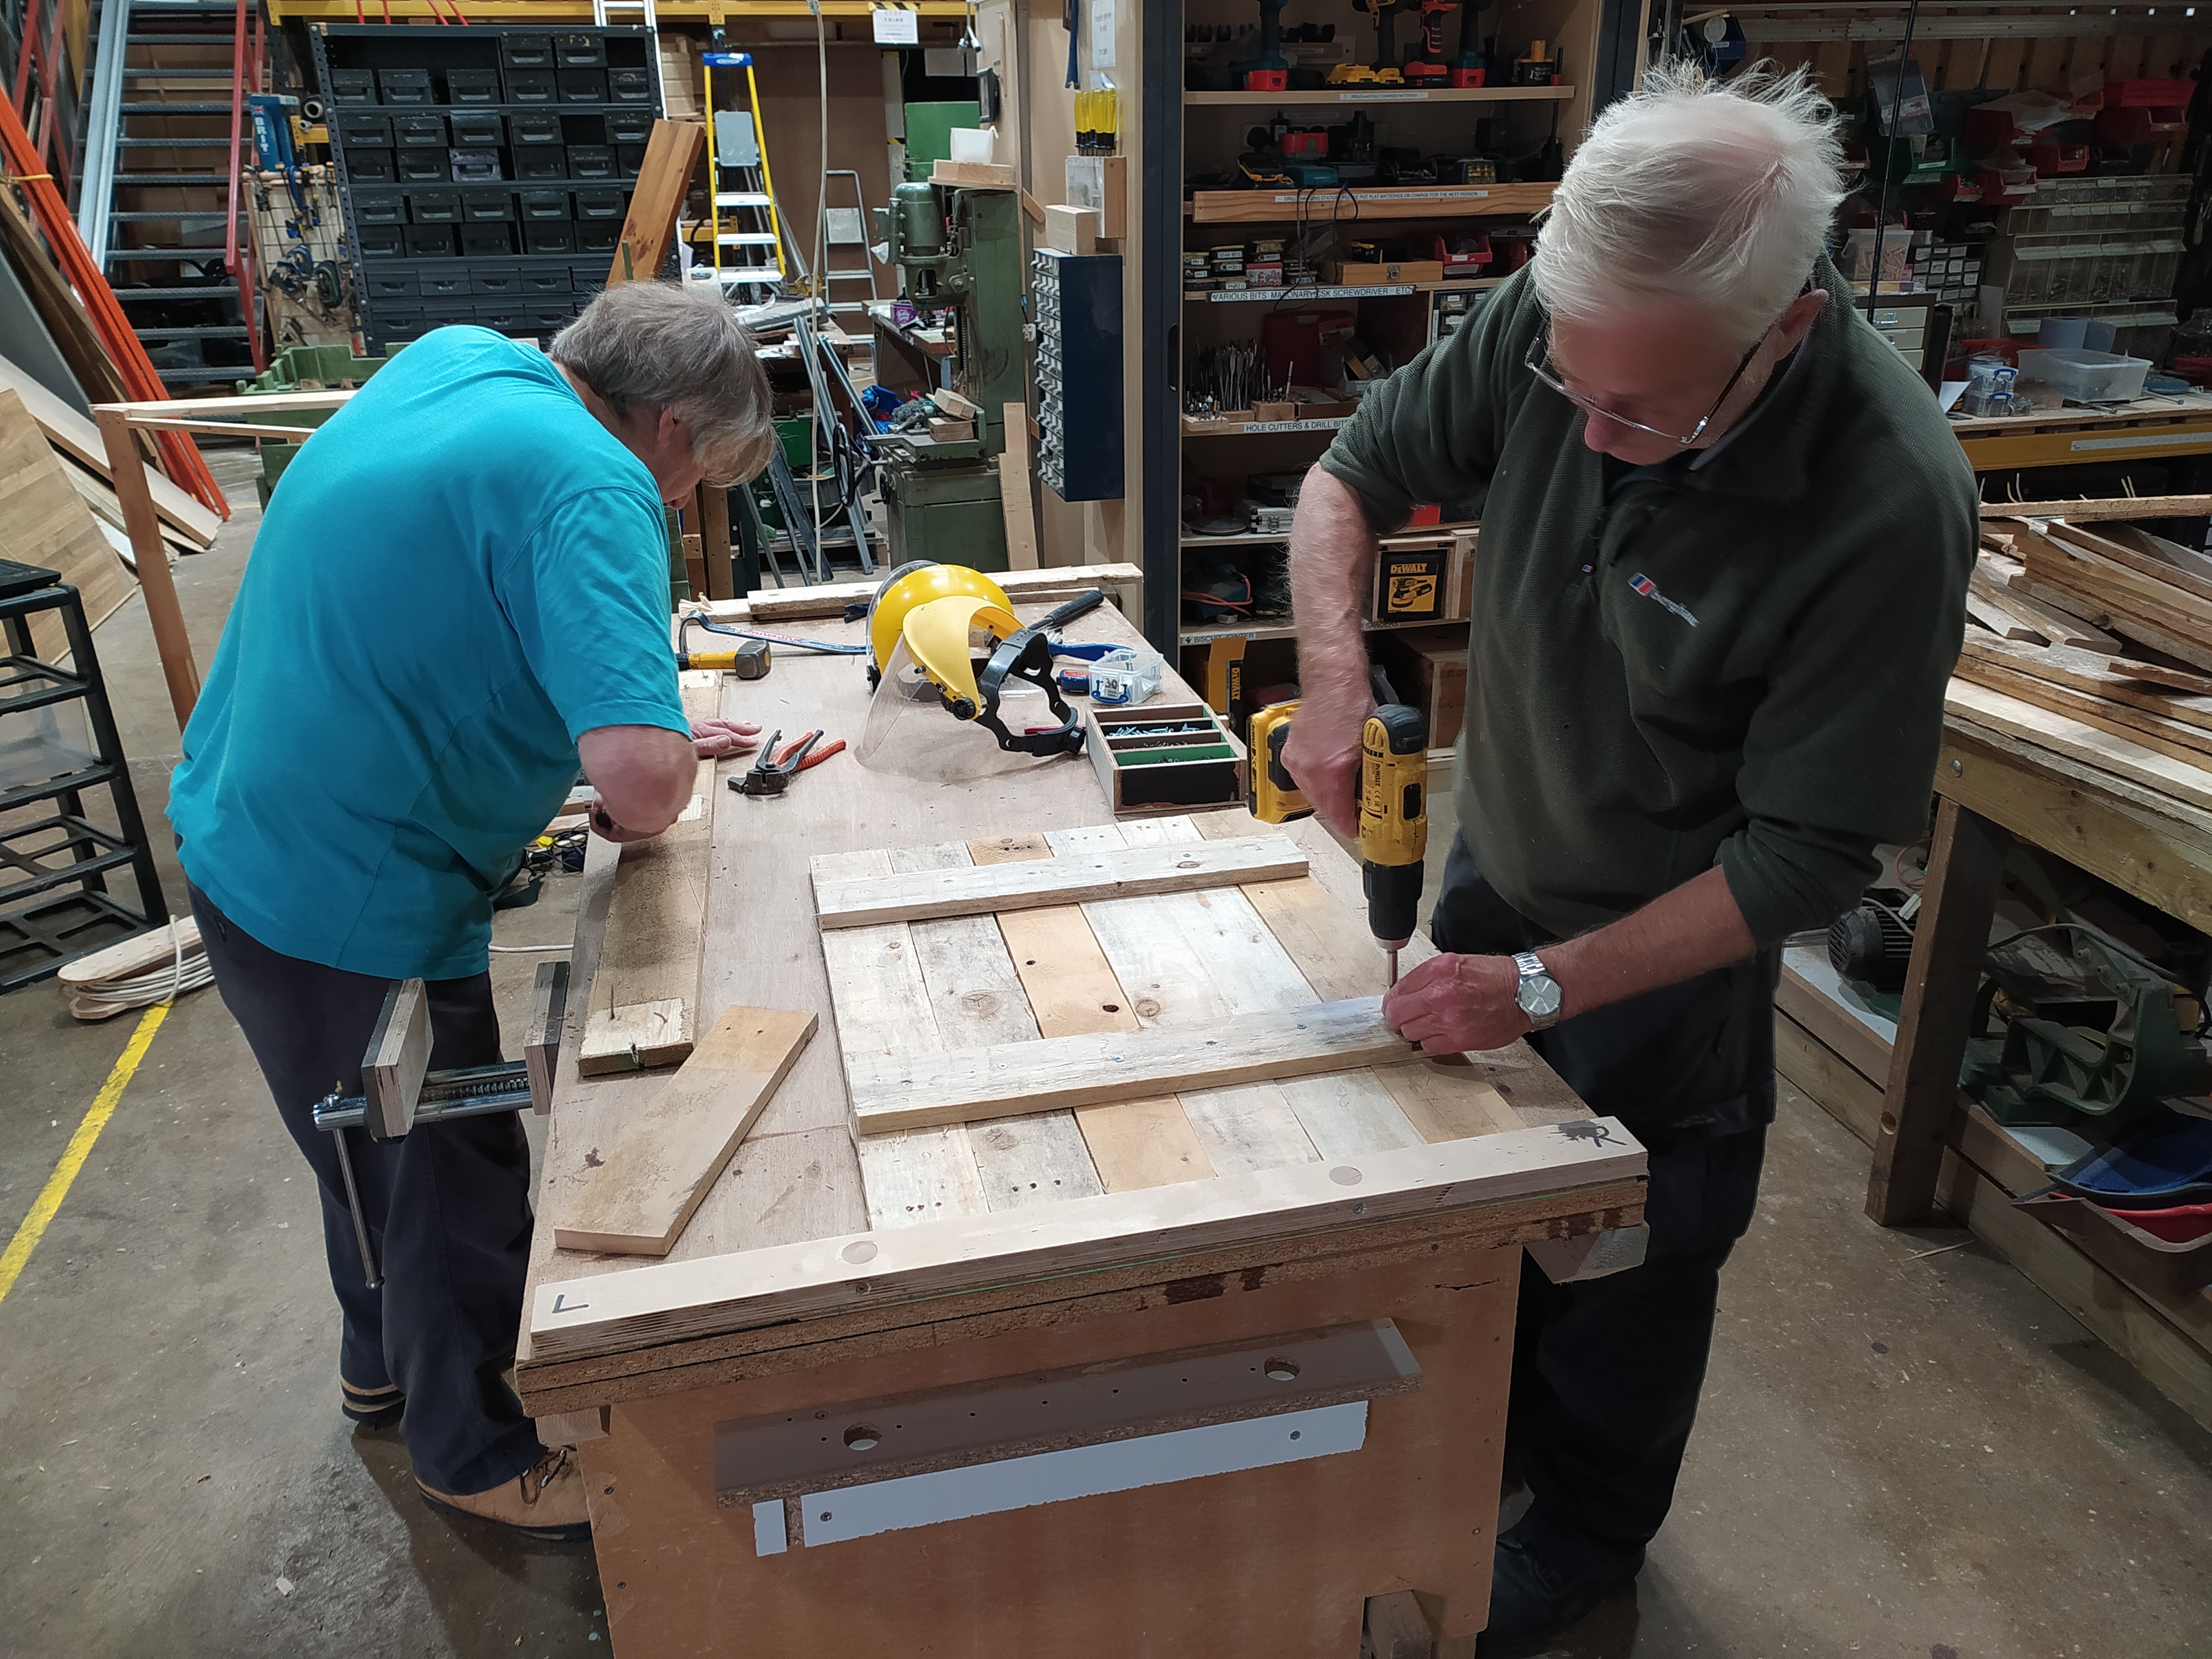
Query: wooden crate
x=1411 y=577
x=1142 y=775
x=1429 y=667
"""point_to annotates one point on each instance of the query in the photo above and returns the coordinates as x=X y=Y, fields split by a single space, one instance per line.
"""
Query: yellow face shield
x=911 y=587
x=941 y=637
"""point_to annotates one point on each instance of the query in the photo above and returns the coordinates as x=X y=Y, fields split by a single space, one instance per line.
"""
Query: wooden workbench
x=946 y=1260
x=2149 y=429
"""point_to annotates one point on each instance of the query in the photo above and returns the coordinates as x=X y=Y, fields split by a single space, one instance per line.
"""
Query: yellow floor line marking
x=80 y=1148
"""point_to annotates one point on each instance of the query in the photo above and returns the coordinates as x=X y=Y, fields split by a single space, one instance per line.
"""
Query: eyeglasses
x=1538 y=362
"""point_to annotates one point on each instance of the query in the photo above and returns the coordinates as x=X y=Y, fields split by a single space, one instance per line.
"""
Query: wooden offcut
x=391 y=1074
x=967 y=1085
x=1115 y=873
x=638 y=1195
x=2014 y=717
x=44 y=523
x=77 y=436
x=671 y=155
x=2088 y=511
x=1014 y=498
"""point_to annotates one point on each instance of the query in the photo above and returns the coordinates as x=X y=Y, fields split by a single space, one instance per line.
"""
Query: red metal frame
x=246 y=70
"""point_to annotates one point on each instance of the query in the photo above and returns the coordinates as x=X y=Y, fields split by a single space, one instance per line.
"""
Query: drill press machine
x=957 y=250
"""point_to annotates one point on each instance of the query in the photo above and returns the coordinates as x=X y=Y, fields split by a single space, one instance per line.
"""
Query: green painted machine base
x=948 y=514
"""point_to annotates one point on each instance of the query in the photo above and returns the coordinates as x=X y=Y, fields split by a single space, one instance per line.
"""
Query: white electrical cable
x=165 y=983
x=524 y=950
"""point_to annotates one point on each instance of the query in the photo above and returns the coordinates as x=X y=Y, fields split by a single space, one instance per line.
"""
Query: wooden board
x=2088 y=511
x=909 y=1091
x=2093 y=745
x=643 y=1004
x=392 y=1075
x=637 y=1200
x=78 y=437
x=2168 y=738
x=1023 y=587
x=648 y=232
x=45 y=522
x=616 y=1310
x=1014 y=499
x=868 y=901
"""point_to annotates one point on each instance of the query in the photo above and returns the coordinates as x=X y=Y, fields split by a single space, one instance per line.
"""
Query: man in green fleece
x=1721 y=583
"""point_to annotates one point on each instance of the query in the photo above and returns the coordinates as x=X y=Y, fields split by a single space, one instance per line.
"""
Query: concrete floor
x=1919 y=1458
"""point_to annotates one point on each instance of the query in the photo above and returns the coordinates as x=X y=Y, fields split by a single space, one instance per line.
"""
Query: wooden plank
x=1014 y=499
x=392 y=1075
x=969 y=1086
x=883 y=1007
x=2168 y=738
x=2147 y=597
x=1114 y=873
x=1022 y=586
x=644 y=998
x=45 y=522
x=1396 y=1628
x=1070 y=989
x=612 y=1311
x=541 y=1041
x=2092 y=745
x=78 y=437
x=663 y=177
x=976 y=997
x=1990 y=610
x=173 y=643
x=1866 y=1050
x=2159 y=673
x=2192 y=585
x=642 y=1194
x=2108 y=680
x=1447 y=1101
x=1950 y=937
x=1988 y=587
x=2091 y=511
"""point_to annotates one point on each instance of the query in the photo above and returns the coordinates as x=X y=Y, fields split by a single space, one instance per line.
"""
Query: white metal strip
x=770 y=1535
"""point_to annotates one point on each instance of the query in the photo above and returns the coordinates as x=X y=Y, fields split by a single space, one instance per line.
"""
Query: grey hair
x=1721 y=194
x=663 y=345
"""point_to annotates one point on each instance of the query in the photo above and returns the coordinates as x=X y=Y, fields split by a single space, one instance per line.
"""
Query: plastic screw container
x=2087 y=377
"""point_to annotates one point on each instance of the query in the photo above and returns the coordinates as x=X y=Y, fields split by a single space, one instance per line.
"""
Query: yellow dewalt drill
x=1272 y=794
x=1394 y=821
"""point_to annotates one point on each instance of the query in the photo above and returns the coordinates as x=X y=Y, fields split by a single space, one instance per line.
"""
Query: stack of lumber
x=2094 y=644
x=146 y=968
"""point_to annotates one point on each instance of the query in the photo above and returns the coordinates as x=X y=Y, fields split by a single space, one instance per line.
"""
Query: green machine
x=957 y=250
x=301 y=368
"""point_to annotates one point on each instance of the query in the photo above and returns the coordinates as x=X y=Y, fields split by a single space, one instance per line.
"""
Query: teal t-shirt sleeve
x=588 y=596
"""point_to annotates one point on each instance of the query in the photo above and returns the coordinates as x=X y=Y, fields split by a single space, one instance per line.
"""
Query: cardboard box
x=1345 y=274
x=1410 y=581
x=1429 y=667
x=1072 y=229
x=975 y=175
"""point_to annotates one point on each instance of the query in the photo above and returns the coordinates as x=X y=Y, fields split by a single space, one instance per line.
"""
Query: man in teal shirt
x=460 y=593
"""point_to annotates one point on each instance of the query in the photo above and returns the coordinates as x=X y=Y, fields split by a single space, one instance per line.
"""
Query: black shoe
x=372 y=1408
x=1534 y=1600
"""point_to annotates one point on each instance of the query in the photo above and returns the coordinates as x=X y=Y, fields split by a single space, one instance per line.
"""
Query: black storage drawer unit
x=1078 y=373
x=404 y=86
x=487 y=240
x=476 y=129
x=485 y=171
x=364 y=126
x=471 y=86
x=534 y=126
x=379 y=208
x=483 y=205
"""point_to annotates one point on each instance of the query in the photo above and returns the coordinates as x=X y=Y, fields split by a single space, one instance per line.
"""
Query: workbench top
x=798 y=1177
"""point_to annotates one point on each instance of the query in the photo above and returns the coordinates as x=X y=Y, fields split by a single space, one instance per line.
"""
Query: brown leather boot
x=545 y=1501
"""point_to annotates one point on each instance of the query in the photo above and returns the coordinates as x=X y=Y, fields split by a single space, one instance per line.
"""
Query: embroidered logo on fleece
x=1650 y=590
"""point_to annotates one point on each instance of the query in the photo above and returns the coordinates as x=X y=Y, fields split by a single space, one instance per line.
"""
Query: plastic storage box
x=2087 y=377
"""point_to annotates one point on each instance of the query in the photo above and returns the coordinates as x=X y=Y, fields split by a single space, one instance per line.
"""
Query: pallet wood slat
x=650 y=1182
x=1022 y=586
x=611 y=1312
x=2098 y=747
x=2175 y=741
x=2091 y=511
x=842 y=902
x=967 y=1085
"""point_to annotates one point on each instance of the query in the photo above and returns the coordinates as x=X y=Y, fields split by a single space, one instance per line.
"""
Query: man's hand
x=606 y=829
x=1321 y=754
x=720 y=739
x=1450 y=1004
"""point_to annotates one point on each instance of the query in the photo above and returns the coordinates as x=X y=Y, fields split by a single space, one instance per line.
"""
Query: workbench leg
x=714 y=539
x=1949 y=940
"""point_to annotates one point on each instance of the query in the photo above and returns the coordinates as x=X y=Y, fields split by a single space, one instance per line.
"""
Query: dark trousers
x=1605 y=1373
x=447 y=1204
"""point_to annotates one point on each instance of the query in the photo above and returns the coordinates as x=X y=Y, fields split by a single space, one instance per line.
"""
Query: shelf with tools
x=1315 y=97
x=1308 y=295
x=1304 y=204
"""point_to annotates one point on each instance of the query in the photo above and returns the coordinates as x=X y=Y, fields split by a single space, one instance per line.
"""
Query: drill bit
x=1393 y=964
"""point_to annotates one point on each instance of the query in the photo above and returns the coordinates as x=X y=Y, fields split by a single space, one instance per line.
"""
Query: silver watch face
x=1539 y=996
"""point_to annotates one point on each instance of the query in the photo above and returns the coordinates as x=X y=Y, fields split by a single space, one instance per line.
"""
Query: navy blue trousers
x=447 y=1204
x=1607 y=1372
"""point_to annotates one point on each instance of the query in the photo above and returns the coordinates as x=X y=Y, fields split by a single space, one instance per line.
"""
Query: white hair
x=1691 y=189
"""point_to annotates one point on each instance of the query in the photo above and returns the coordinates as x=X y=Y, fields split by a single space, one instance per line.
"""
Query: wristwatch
x=1538 y=994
